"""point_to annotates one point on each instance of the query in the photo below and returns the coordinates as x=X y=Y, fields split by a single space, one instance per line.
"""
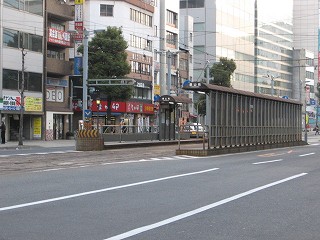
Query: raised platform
x=236 y=149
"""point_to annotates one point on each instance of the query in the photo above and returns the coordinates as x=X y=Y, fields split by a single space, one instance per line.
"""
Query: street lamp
x=272 y=82
x=98 y=106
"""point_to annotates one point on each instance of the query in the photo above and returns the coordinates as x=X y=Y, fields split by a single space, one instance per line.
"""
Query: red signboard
x=119 y=107
x=134 y=107
x=59 y=37
x=78 y=26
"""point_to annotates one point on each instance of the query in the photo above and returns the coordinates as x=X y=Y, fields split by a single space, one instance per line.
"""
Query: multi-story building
x=141 y=27
x=58 y=68
x=245 y=31
x=306 y=42
x=273 y=48
x=21 y=67
x=223 y=29
x=34 y=65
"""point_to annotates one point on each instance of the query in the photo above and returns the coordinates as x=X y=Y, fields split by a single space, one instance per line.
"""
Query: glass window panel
x=35 y=82
x=103 y=10
x=35 y=43
x=10 y=79
x=34 y=6
x=10 y=38
x=24 y=40
x=11 y=3
x=110 y=10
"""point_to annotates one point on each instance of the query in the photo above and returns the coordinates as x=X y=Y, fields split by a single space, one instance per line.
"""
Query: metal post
x=85 y=73
x=208 y=107
x=169 y=72
x=162 y=46
x=272 y=85
x=98 y=106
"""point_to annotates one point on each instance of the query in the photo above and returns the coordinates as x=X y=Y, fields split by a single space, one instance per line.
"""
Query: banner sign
x=59 y=37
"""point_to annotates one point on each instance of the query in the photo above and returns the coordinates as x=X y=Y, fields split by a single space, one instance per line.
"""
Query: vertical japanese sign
x=78 y=26
x=78 y=20
x=37 y=127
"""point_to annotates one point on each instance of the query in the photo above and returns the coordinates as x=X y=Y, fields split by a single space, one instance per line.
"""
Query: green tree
x=107 y=59
x=318 y=92
x=221 y=73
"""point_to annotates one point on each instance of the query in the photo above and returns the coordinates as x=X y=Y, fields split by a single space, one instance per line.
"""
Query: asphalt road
x=141 y=194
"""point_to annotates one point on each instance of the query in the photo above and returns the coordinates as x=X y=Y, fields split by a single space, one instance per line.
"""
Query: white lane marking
x=199 y=210
x=103 y=190
x=152 y=160
x=39 y=153
x=315 y=144
x=271 y=161
x=49 y=170
x=308 y=154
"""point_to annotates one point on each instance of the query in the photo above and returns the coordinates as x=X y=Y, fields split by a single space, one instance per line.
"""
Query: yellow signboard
x=33 y=104
x=37 y=127
x=78 y=2
x=156 y=89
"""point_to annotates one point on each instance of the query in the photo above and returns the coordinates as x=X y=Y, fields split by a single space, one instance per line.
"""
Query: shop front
x=138 y=115
x=32 y=117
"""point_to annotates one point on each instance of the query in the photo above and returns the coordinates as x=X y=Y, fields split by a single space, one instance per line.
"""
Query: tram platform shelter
x=242 y=121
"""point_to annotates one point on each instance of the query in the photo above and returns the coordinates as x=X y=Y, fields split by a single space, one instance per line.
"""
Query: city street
x=149 y=193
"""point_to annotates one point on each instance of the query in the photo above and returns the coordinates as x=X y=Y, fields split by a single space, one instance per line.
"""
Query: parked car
x=196 y=130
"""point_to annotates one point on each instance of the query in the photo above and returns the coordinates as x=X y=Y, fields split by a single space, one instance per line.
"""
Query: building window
x=10 y=38
x=35 y=43
x=57 y=26
x=106 y=10
x=172 y=18
x=140 y=68
x=191 y=4
x=139 y=42
x=142 y=93
x=172 y=38
x=16 y=39
x=56 y=54
x=35 y=6
x=12 y=80
x=140 y=17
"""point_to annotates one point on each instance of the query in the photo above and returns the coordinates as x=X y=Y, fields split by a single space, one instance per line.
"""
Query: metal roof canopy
x=110 y=82
x=174 y=99
x=205 y=87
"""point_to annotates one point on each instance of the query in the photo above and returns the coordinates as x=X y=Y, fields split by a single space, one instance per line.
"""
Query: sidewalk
x=27 y=144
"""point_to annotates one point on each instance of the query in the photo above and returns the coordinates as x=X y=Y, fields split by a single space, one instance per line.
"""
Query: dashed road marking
x=271 y=161
x=307 y=154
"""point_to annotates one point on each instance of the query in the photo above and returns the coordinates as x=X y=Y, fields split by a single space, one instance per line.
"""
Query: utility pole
x=21 y=91
x=169 y=72
x=162 y=47
x=85 y=73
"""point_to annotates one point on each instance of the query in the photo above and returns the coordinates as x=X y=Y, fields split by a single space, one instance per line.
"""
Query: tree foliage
x=107 y=59
x=318 y=92
x=221 y=72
